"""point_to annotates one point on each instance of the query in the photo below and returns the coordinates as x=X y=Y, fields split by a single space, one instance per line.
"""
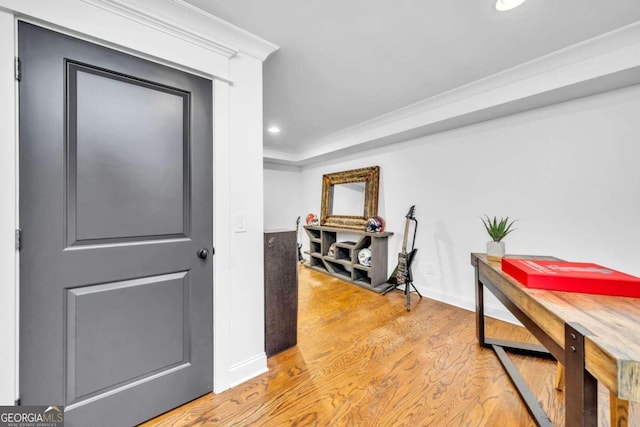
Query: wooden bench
x=595 y=337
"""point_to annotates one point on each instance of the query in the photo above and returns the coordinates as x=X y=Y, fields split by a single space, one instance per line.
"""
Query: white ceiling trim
x=606 y=62
x=182 y=20
x=248 y=43
x=136 y=14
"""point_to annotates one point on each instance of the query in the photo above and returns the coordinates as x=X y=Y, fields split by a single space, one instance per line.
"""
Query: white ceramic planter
x=495 y=251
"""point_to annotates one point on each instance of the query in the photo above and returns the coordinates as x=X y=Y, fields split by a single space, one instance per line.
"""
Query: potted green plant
x=498 y=230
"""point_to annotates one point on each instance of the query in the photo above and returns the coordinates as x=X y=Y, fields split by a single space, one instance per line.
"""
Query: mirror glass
x=348 y=199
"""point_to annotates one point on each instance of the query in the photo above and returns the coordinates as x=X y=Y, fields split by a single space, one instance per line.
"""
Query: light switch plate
x=239 y=223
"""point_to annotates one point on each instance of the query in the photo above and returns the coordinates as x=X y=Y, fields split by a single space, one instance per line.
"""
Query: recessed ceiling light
x=273 y=129
x=503 y=5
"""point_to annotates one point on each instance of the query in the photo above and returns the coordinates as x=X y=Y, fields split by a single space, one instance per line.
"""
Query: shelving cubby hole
x=327 y=240
x=343 y=252
x=364 y=242
x=314 y=247
x=314 y=234
x=338 y=269
x=360 y=275
x=315 y=262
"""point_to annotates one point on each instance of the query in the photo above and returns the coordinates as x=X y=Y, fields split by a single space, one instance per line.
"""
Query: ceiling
x=342 y=63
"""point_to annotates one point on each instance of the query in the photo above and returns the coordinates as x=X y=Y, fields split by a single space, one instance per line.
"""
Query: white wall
x=238 y=298
x=246 y=282
x=568 y=172
x=283 y=199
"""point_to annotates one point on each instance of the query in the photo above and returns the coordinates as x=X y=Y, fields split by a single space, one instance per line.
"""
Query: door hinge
x=18 y=239
x=18 y=70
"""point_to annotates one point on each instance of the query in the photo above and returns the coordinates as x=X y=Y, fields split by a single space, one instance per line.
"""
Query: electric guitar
x=402 y=273
x=300 y=258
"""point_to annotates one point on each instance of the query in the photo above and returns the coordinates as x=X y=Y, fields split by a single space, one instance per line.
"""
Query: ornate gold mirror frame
x=370 y=177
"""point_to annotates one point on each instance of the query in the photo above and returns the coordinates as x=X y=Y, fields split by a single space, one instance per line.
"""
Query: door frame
x=9 y=256
x=170 y=44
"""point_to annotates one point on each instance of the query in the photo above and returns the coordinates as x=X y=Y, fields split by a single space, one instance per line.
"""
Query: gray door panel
x=118 y=187
x=119 y=332
x=115 y=201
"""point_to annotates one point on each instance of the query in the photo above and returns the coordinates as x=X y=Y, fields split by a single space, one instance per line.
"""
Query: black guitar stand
x=408 y=285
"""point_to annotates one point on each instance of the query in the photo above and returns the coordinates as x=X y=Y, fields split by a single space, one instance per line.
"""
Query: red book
x=571 y=277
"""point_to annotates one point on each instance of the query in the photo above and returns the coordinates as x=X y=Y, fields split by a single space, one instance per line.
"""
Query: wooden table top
x=612 y=353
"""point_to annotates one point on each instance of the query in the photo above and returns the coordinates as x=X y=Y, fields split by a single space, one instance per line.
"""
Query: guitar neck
x=406 y=235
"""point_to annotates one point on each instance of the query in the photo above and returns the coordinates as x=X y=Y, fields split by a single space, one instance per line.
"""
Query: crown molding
x=604 y=63
x=144 y=16
x=248 y=43
x=182 y=20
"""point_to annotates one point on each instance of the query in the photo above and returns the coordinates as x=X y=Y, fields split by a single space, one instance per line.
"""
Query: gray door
x=115 y=203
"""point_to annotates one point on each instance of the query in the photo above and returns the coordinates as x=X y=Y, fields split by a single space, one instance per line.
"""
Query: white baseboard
x=247 y=369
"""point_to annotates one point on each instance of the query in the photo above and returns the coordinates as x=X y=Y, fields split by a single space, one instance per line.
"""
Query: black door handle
x=203 y=253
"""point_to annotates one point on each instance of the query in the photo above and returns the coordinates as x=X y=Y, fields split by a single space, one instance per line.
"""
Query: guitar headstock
x=411 y=213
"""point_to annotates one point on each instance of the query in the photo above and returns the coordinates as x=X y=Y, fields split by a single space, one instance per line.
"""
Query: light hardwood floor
x=363 y=360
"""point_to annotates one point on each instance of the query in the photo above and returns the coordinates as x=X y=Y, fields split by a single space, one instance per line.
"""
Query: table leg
x=618 y=411
x=558 y=382
x=480 y=310
x=581 y=388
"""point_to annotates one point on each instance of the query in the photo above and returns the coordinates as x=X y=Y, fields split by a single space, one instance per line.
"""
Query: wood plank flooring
x=363 y=360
